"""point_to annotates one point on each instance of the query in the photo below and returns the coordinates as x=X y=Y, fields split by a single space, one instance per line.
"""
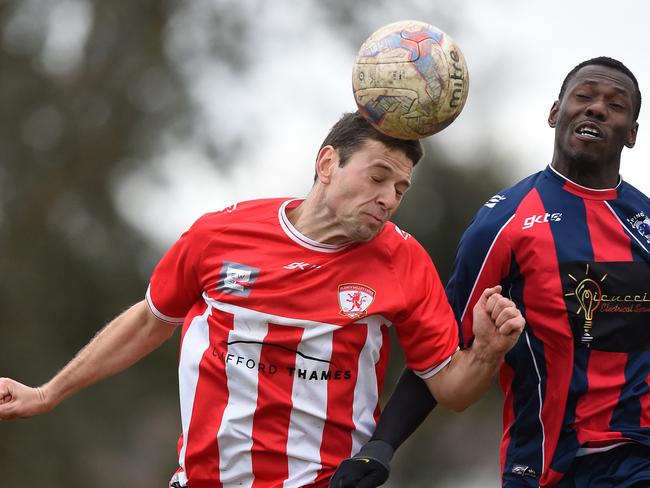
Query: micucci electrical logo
x=588 y=291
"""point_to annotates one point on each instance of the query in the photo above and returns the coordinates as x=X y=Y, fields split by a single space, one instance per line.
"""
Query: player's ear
x=326 y=161
x=631 y=136
x=552 y=115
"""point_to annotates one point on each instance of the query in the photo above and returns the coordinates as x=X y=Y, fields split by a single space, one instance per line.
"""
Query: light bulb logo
x=588 y=293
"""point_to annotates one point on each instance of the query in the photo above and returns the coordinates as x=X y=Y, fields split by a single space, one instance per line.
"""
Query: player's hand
x=20 y=401
x=359 y=473
x=368 y=468
x=498 y=323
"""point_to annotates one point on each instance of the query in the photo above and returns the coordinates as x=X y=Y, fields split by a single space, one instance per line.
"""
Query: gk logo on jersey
x=354 y=299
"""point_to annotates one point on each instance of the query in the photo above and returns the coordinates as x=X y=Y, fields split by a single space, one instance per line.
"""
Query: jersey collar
x=583 y=191
x=300 y=238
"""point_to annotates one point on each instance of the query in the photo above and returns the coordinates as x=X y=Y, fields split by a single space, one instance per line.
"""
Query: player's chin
x=365 y=233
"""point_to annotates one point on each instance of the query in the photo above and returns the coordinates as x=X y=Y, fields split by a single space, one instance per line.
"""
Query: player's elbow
x=450 y=398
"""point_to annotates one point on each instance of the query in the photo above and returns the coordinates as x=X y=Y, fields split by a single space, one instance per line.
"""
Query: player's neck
x=587 y=174
x=314 y=220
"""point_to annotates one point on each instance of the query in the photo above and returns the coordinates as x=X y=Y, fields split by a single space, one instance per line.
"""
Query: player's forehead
x=595 y=75
x=377 y=155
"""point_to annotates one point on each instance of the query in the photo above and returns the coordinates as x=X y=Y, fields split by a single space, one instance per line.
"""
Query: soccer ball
x=410 y=80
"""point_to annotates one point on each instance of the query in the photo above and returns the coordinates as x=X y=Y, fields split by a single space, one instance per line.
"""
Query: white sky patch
x=68 y=29
x=517 y=53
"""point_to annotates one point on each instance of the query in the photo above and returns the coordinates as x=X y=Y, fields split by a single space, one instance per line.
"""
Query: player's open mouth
x=588 y=131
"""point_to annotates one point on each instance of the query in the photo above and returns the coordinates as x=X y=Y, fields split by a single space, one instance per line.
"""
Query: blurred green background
x=95 y=98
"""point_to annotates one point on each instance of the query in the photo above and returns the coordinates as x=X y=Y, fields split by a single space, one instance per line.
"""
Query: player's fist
x=359 y=472
x=498 y=323
x=20 y=401
x=368 y=468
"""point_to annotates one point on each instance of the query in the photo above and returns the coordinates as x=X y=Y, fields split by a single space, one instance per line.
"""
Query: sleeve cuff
x=158 y=314
x=428 y=373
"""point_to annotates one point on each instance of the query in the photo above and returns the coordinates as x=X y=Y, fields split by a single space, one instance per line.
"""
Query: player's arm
x=497 y=325
x=408 y=406
x=129 y=337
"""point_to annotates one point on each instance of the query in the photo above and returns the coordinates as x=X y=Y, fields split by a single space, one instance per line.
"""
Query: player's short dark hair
x=610 y=63
x=352 y=130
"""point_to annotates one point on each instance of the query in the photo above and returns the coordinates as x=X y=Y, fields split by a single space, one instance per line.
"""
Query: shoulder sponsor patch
x=237 y=278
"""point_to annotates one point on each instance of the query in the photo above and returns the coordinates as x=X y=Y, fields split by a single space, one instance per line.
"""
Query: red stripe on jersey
x=605 y=375
x=645 y=407
x=587 y=193
x=336 y=443
x=551 y=478
x=210 y=399
x=609 y=240
x=542 y=285
x=606 y=370
x=506 y=376
x=273 y=411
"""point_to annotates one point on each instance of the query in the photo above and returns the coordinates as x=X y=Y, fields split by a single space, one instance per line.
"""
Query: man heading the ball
x=284 y=306
x=570 y=245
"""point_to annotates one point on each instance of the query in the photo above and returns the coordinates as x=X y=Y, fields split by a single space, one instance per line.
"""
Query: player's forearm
x=125 y=340
x=466 y=379
x=408 y=406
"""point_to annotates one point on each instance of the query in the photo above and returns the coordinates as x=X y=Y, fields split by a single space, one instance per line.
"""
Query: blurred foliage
x=89 y=91
x=70 y=125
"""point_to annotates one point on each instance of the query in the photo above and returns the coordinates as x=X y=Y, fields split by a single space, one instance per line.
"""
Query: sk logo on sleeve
x=354 y=299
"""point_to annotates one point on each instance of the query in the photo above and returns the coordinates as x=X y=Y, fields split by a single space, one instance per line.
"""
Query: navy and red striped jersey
x=576 y=261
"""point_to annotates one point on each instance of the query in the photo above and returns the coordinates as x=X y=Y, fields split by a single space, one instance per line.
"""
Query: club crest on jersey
x=642 y=225
x=237 y=278
x=354 y=299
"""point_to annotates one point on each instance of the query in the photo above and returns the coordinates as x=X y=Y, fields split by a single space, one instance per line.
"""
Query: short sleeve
x=427 y=329
x=175 y=284
x=482 y=261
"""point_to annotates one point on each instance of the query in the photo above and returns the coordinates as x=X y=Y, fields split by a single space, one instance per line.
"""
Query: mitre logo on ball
x=410 y=80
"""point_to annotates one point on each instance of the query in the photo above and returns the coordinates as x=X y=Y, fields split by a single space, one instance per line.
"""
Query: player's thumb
x=6 y=390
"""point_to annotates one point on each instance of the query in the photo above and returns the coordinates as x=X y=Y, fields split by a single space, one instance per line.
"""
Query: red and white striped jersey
x=285 y=342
